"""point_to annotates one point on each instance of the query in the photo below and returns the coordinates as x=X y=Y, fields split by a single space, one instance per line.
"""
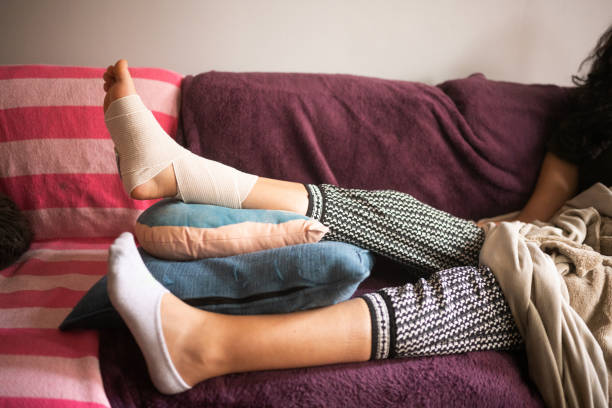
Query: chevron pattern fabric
x=454 y=311
x=396 y=225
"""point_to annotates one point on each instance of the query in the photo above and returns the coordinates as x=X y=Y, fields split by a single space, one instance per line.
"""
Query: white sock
x=145 y=149
x=137 y=297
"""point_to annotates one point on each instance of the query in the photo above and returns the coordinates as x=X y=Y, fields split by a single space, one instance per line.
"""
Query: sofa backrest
x=472 y=146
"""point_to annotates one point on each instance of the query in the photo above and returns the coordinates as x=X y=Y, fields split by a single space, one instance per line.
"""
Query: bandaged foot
x=144 y=150
x=137 y=297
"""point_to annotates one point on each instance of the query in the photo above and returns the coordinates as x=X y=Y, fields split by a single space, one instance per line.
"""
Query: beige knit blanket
x=557 y=279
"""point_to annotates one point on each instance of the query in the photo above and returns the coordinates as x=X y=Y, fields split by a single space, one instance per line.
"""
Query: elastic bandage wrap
x=145 y=149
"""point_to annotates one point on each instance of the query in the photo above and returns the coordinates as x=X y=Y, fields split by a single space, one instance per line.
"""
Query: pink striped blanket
x=57 y=163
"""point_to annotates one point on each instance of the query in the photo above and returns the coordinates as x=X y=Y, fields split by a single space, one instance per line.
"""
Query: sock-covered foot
x=137 y=297
x=145 y=149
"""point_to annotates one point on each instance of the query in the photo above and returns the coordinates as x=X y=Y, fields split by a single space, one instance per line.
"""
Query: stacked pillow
x=235 y=261
x=280 y=280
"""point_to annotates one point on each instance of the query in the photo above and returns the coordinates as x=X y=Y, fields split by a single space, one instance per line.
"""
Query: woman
x=455 y=310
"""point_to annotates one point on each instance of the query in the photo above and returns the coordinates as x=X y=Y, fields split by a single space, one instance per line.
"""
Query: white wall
x=423 y=40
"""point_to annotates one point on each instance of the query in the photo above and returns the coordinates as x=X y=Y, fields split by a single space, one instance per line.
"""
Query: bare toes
x=121 y=70
x=117 y=82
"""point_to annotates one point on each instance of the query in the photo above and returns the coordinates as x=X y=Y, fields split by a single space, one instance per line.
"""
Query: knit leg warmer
x=454 y=311
x=396 y=225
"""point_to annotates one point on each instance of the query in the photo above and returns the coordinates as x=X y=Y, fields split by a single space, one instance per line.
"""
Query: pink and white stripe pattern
x=57 y=160
x=39 y=365
x=57 y=163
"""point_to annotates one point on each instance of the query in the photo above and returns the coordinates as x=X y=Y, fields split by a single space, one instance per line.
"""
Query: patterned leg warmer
x=454 y=311
x=396 y=225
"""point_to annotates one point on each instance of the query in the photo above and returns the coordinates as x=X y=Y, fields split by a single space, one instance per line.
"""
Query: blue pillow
x=280 y=280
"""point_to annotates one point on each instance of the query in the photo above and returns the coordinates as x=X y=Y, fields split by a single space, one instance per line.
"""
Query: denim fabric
x=278 y=280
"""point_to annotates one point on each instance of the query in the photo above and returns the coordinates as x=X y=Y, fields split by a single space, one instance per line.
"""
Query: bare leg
x=271 y=194
x=266 y=194
x=204 y=345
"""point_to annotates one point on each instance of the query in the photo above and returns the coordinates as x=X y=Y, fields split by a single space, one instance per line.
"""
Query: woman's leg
x=454 y=311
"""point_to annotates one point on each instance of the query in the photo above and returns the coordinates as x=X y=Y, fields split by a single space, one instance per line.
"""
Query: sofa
x=470 y=146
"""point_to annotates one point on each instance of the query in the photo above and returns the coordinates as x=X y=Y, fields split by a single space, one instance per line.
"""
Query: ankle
x=161 y=186
x=147 y=191
x=204 y=351
x=271 y=194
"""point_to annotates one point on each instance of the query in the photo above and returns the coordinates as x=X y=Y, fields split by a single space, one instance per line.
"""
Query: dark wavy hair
x=588 y=128
x=600 y=59
x=15 y=232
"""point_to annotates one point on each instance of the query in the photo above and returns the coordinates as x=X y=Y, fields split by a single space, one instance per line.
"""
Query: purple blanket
x=472 y=147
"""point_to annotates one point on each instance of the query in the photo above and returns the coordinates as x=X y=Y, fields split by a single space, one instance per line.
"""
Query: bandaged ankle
x=145 y=149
